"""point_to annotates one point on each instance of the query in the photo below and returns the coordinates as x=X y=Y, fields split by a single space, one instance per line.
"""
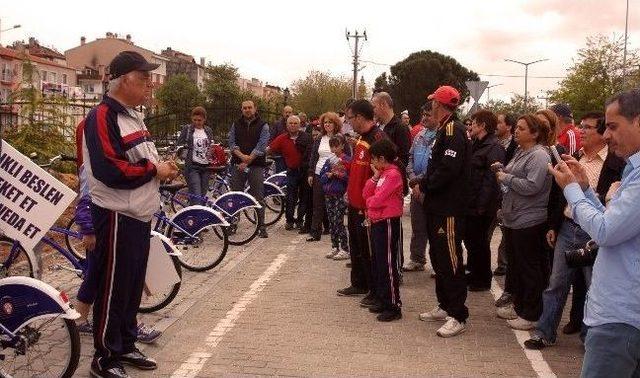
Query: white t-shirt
x=201 y=145
x=324 y=151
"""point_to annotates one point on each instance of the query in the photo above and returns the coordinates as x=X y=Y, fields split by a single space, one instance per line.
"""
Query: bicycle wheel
x=180 y=200
x=243 y=227
x=202 y=252
x=217 y=188
x=274 y=209
x=74 y=245
x=50 y=348
x=20 y=265
x=154 y=302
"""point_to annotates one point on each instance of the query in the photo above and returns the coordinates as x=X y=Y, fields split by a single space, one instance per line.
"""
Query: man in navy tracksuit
x=124 y=175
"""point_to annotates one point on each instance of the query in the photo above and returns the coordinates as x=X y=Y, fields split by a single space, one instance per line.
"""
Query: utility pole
x=356 y=55
x=526 y=75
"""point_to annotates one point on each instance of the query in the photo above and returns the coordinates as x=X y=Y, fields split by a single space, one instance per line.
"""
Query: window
x=53 y=77
x=64 y=78
x=43 y=75
x=4 y=95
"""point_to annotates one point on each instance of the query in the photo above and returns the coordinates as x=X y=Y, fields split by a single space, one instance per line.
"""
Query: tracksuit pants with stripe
x=385 y=236
x=445 y=251
x=121 y=253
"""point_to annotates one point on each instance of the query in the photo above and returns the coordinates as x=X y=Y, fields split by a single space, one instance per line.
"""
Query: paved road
x=271 y=309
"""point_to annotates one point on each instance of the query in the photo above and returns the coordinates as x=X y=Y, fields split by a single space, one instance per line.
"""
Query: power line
x=379 y=64
x=521 y=76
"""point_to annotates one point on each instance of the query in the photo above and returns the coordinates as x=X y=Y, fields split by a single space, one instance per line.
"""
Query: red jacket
x=284 y=145
x=384 y=197
x=569 y=138
x=360 y=170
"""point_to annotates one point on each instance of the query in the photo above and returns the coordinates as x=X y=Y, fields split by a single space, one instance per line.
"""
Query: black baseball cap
x=128 y=61
x=562 y=110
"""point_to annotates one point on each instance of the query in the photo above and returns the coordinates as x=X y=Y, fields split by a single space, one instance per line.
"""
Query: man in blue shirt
x=612 y=310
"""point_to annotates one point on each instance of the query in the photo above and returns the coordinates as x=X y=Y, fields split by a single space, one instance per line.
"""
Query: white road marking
x=195 y=362
x=538 y=363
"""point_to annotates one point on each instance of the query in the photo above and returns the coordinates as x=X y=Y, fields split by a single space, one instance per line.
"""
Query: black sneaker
x=139 y=360
x=369 y=301
x=536 y=343
x=377 y=308
x=504 y=300
x=389 y=315
x=289 y=226
x=351 y=292
x=304 y=230
x=113 y=370
x=500 y=271
x=262 y=233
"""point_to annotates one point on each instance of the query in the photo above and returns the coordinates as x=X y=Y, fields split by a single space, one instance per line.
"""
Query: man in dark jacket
x=445 y=186
x=484 y=200
x=248 y=140
x=603 y=169
x=390 y=124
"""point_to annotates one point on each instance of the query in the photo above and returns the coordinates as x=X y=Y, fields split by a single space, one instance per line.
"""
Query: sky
x=280 y=41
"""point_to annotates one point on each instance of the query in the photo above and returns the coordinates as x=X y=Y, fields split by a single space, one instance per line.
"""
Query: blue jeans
x=571 y=236
x=612 y=350
x=198 y=183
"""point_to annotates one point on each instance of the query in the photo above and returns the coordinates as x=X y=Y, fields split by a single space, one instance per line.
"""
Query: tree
x=363 y=90
x=413 y=78
x=179 y=94
x=47 y=126
x=515 y=106
x=320 y=92
x=221 y=84
x=596 y=75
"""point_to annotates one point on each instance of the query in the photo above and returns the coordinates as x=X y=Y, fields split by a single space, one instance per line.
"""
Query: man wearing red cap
x=445 y=186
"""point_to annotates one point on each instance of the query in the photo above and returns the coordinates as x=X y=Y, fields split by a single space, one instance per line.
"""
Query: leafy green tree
x=515 y=106
x=47 y=125
x=320 y=92
x=413 y=78
x=363 y=90
x=596 y=75
x=179 y=94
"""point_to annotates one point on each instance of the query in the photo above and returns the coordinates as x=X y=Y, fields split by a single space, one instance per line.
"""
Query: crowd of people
x=559 y=190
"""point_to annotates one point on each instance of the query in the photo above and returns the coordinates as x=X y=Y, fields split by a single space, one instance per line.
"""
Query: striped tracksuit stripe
x=121 y=255
x=384 y=236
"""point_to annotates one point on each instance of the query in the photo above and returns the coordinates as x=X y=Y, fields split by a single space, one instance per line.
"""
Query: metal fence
x=164 y=128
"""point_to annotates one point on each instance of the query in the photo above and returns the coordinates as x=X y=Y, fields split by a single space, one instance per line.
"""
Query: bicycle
x=38 y=334
x=16 y=261
x=237 y=209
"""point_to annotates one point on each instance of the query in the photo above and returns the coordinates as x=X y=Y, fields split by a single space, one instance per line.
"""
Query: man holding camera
x=612 y=311
x=603 y=169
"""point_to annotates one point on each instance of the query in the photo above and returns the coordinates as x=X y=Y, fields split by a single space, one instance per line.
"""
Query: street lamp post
x=624 y=54
x=526 y=74
x=7 y=29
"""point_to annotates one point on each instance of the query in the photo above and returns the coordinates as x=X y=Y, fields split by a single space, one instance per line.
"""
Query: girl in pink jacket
x=383 y=194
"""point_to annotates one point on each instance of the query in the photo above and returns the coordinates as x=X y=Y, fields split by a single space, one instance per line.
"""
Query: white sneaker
x=342 y=255
x=521 y=324
x=334 y=251
x=413 y=266
x=435 y=315
x=451 y=328
x=506 y=312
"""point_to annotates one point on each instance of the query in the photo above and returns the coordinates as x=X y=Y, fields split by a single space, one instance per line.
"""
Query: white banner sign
x=31 y=200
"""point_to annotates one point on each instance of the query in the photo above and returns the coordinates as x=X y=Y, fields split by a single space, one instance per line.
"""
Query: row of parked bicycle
x=38 y=335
